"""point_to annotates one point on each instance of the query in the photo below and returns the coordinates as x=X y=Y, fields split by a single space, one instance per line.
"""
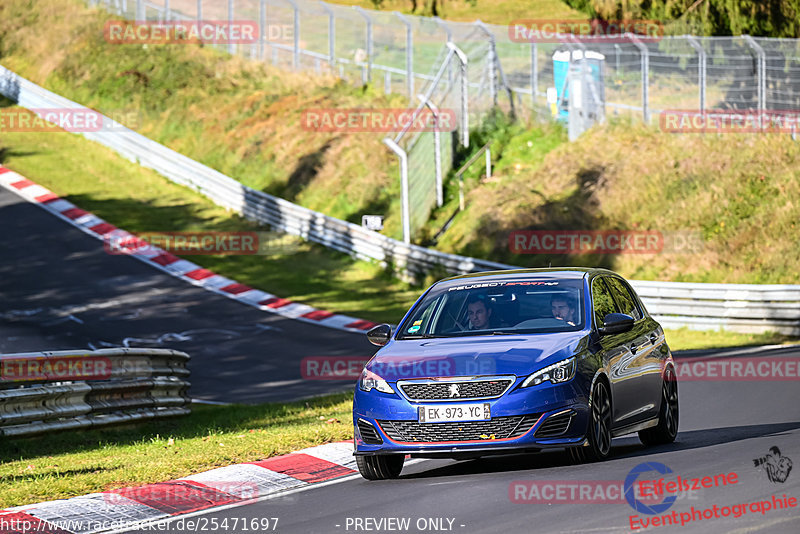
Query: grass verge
x=76 y=463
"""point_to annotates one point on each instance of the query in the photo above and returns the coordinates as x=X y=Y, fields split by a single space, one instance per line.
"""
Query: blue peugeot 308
x=518 y=360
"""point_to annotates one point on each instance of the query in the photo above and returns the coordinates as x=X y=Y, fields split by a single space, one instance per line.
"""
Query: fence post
x=140 y=11
x=534 y=74
x=199 y=11
x=368 y=19
x=701 y=69
x=394 y=147
x=409 y=52
x=645 y=61
x=331 y=34
x=231 y=46
x=462 y=57
x=166 y=11
x=488 y=161
x=761 y=68
x=437 y=148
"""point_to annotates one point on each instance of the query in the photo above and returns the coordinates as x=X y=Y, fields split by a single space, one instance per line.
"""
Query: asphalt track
x=60 y=290
x=724 y=427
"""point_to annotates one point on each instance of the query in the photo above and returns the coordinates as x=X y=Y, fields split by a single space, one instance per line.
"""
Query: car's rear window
x=502 y=307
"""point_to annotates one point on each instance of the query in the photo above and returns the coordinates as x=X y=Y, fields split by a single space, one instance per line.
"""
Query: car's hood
x=470 y=356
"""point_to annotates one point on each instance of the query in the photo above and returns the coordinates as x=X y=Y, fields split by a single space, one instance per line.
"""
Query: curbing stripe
x=305 y=467
x=83 y=515
x=175 y=266
x=22 y=523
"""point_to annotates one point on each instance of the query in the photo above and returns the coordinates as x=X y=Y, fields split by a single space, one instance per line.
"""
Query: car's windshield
x=496 y=308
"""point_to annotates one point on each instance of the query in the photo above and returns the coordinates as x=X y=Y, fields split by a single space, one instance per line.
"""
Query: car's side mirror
x=616 y=323
x=380 y=335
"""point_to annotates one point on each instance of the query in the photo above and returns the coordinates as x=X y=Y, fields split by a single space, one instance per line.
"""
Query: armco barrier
x=46 y=391
x=745 y=308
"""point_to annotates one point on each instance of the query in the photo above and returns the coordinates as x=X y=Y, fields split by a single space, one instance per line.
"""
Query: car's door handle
x=653 y=338
x=634 y=348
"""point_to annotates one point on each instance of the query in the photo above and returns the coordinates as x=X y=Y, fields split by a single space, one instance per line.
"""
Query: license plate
x=454 y=412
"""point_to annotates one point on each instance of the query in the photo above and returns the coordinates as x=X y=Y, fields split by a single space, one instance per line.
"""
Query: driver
x=478 y=312
x=563 y=309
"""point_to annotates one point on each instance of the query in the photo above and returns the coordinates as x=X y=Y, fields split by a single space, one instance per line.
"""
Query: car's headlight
x=556 y=373
x=370 y=380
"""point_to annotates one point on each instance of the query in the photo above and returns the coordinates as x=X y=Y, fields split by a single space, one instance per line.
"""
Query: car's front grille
x=555 y=425
x=368 y=433
x=472 y=389
x=496 y=428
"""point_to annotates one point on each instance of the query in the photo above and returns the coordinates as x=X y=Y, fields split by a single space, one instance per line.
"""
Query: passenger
x=479 y=312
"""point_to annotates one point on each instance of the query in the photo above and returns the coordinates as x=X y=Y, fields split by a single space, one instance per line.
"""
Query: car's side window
x=602 y=303
x=622 y=295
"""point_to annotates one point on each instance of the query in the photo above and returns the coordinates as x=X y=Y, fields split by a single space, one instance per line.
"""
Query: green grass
x=76 y=463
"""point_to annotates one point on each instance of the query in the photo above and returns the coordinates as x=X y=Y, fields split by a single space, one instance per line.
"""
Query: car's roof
x=553 y=272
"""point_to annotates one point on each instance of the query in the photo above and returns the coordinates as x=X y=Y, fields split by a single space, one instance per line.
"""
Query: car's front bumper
x=542 y=402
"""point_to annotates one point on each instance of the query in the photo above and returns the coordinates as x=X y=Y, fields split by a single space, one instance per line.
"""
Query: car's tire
x=599 y=429
x=668 y=414
x=380 y=467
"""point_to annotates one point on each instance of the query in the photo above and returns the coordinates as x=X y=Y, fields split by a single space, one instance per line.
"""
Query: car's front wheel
x=599 y=432
x=667 y=428
x=380 y=467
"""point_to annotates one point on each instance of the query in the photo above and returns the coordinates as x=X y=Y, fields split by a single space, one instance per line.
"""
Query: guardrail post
x=262 y=27
x=331 y=34
x=437 y=148
x=701 y=69
x=645 y=61
x=409 y=52
x=491 y=59
x=761 y=59
x=366 y=77
x=488 y=162
x=462 y=58
x=394 y=147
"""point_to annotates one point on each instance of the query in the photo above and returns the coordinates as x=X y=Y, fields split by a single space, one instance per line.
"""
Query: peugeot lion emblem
x=454 y=391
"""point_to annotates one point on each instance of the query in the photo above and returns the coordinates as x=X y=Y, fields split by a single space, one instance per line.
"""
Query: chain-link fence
x=405 y=54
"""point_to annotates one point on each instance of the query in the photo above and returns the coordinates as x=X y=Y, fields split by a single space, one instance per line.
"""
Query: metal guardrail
x=747 y=308
x=64 y=390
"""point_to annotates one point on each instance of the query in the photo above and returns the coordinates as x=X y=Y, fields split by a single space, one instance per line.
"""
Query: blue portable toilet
x=562 y=60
